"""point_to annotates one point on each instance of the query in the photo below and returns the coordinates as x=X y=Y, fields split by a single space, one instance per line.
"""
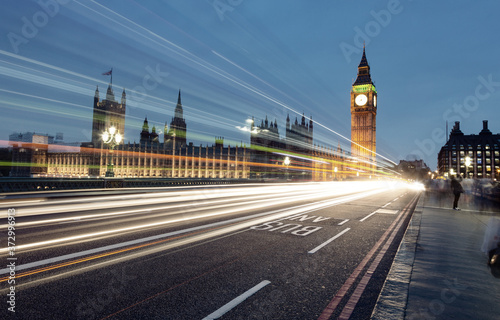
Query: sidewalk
x=439 y=271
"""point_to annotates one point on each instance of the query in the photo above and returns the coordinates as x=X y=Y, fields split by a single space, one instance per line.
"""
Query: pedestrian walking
x=457 y=189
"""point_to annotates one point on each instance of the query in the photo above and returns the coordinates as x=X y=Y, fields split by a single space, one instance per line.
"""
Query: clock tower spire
x=363 y=117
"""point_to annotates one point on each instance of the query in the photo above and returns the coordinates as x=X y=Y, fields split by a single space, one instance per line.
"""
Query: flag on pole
x=109 y=73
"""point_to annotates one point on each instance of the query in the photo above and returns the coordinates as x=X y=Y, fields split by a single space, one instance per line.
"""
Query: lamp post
x=111 y=137
x=286 y=162
x=467 y=164
x=173 y=155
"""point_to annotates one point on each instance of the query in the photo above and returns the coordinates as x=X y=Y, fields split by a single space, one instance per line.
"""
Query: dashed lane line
x=329 y=240
x=236 y=301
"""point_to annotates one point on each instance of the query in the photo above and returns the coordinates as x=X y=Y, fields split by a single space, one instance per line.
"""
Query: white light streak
x=328 y=189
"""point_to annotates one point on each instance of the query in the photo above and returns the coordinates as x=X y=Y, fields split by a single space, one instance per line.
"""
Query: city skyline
x=236 y=61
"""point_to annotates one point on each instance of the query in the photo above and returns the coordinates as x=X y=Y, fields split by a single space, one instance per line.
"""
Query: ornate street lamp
x=286 y=162
x=111 y=137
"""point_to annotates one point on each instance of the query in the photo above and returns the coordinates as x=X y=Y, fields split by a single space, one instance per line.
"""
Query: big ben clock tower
x=363 y=117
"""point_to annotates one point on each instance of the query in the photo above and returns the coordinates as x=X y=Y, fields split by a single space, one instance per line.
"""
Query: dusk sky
x=431 y=62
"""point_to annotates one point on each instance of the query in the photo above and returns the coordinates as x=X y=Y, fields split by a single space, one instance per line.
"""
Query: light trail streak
x=46 y=65
x=242 y=206
x=229 y=226
x=70 y=114
x=30 y=77
x=182 y=196
x=305 y=167
x=204 y=203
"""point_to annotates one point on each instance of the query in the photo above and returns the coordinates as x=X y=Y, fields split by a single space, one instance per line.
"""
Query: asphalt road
x=285 y=251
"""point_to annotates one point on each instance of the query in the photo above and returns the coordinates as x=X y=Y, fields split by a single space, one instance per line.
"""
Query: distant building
x=29 y=153
x=5 y=161
x=414 y=170
x=294 y=156
x=31 y=137
x=482 y=150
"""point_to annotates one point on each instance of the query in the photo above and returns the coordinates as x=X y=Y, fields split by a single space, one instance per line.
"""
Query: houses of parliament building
x=170 y=155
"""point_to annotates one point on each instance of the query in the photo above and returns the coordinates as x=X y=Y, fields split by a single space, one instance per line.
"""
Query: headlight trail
x=315 y=191
x=208 y=231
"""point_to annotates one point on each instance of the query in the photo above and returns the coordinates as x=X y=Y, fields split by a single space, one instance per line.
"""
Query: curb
x=393 y=299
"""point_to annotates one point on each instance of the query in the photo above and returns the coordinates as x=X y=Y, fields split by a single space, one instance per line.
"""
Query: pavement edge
x=393 y=298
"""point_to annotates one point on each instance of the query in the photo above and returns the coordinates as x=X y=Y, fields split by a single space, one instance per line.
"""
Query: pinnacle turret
x=363 y=71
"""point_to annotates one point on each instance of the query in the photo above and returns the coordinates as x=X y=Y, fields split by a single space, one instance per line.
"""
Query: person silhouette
x=457 y=189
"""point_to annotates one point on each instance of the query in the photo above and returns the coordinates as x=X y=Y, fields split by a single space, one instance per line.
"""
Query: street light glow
x=287 y=161
x=467 y=161
x=105 y=137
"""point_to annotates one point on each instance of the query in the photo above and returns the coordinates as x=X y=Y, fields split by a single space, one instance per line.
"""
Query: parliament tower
x=107 y=113
x=363 y=117
x=177 y=125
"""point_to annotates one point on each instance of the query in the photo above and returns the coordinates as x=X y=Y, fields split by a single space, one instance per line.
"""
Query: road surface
x=271 y=251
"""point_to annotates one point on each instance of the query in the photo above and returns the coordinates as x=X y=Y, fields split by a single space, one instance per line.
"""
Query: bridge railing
x=9 y=185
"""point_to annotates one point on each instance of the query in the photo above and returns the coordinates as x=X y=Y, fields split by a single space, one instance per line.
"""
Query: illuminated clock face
x=361 y=100
x=374 y=101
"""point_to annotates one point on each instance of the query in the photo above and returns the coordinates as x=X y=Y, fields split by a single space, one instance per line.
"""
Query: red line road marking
x=330 y=308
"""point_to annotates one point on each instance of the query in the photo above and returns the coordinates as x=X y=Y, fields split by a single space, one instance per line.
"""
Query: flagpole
x=111 y=76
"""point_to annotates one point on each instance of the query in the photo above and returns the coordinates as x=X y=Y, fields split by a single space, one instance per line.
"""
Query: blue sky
x=234 y=59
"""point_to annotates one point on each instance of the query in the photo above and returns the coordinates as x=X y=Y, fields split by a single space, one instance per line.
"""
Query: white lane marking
x=387 y=211
x=236 y=301
x=343 y=222
x=385 y=205
x=280 y=213
x=329 y=240
x=368 y=216
x=380 y=211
